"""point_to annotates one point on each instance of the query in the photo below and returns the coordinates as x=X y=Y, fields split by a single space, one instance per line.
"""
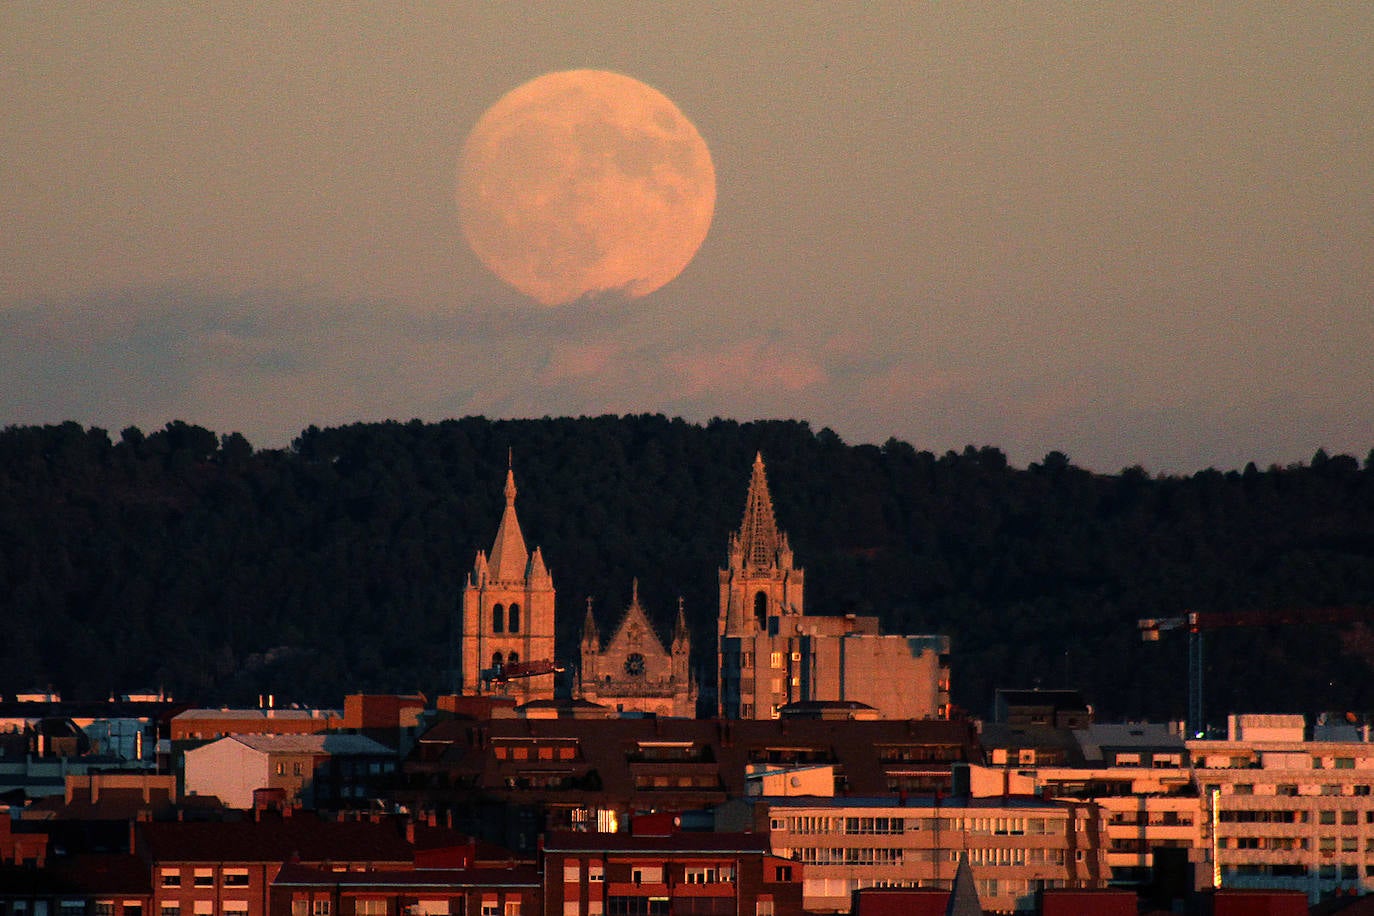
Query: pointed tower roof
x=963 y=897
x=759 y=539
x=590 y=635
x=509 y=558
x=680 y=631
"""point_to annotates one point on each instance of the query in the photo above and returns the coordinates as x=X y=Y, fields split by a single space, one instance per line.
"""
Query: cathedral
x=771 y=654
x=634 y=672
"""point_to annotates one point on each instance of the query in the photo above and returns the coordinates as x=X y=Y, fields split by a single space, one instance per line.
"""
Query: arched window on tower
x=514 y=659
x=761 y=609
x=514 y=619
x=496 y=661
x=498 y=619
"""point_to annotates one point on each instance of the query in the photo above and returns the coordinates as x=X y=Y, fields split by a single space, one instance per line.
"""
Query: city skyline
x=1131 y=234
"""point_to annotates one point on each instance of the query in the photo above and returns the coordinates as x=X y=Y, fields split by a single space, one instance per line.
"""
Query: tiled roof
x=394 y=879
x=276 y=839
x=1135 y=734
x=114 y=805
x=683 y=843
x=337 y=745
x=256 y=714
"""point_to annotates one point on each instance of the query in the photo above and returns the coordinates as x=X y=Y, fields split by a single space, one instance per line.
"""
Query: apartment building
x=590 y=774
x=1138 y=775
x=658 y=871
x=227 y=868
x=1285 y=812
x=1017 y=846
x=301 y=890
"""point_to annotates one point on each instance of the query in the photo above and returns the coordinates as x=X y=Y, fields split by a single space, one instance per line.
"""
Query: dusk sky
x=1134 y=233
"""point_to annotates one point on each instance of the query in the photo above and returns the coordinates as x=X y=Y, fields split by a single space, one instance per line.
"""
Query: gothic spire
x=759 y=540
x=509 y=558
x=590 y=635
x=681 y=637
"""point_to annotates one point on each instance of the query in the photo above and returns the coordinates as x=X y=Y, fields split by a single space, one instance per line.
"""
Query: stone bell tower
x=507 y=642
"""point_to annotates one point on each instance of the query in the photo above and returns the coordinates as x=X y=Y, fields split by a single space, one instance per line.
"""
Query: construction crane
x=514 y=670
x=1198 y=622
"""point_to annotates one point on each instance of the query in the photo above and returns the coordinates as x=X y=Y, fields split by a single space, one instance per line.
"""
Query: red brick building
x=227 y=869
x=683 y=874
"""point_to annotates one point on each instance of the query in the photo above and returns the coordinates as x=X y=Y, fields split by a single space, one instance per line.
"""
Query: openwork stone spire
x=759 y=540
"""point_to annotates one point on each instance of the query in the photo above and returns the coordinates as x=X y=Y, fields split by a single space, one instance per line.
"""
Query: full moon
x=585 y=184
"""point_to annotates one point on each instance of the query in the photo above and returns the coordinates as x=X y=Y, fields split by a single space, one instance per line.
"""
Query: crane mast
x=1198 y=622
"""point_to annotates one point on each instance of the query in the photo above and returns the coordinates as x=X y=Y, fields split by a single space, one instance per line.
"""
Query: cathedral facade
x=507 y=641
x=772 y=654
x=634 y=671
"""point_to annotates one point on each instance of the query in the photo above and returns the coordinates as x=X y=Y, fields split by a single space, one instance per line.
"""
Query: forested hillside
x=188 y=560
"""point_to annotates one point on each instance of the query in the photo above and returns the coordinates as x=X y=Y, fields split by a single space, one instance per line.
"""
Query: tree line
x=190 y=561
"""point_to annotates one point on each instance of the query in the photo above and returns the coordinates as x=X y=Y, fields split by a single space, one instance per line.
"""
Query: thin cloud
x=753 y=364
